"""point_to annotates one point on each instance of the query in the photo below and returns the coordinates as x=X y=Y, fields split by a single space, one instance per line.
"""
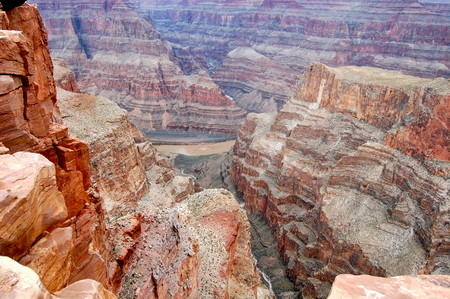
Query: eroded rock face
x=116 y=52
x=32 y=206
x=21 y=282
x=364 y=286
x=321 y=173
x=31 y=121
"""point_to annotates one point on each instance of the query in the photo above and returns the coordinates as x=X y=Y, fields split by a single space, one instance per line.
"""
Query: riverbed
x=200 y=149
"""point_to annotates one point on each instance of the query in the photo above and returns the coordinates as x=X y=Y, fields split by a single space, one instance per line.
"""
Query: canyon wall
x=399 y=35
x=116 y=52
x=341 y=181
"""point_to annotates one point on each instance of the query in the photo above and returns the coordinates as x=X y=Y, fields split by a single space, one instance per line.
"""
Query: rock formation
x=116 y=52
x=57 y=187
x=408 y=36
x=364 y=286
x=21 y=282
x=331 y=170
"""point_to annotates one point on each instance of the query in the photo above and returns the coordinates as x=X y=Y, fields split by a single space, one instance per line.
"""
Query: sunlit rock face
x=333 y=177
x=116 y=52
x=358 y=287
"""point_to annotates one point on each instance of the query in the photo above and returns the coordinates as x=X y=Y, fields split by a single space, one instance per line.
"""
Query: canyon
x=408 y=36
x=352 y=175
x=100 y=216
x=347 y=164
x=116 y=52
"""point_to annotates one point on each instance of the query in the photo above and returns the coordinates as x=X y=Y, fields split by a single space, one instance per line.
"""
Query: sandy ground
x=197 y=149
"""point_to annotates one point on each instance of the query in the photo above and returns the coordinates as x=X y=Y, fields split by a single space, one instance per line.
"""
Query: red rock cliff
x=340 y=199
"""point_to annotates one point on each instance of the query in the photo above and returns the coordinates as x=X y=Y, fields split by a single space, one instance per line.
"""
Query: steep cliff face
x=116 y=52
x=59 y=184
x=322 y=174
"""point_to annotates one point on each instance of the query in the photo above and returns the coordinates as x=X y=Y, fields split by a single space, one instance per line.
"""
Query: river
x=200 y=149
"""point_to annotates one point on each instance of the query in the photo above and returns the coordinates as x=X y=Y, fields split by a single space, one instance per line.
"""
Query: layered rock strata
x=116 y=52
x=322 y=173
x=408 y=36
x=254 y=80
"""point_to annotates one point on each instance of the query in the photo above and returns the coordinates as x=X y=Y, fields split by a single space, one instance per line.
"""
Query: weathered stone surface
x=51 y=258
x=226 y=269
x=321 y=174
x=85 y=289
x=64 y=78
x=30 y=201
x=115 y=160
x=357 y=287
x=117 y=53
x=19 y=281
x=26 y=18
x=400 y=35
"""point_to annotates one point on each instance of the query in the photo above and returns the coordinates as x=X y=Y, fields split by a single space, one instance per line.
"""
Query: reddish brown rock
x=253 y=80
x=64 y=78
x=19 y=281
x=51 y=258
x=364 y=286
x=29 y=207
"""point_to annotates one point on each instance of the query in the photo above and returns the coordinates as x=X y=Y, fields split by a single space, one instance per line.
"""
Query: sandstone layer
x=116 y=52
x=21 y=282
x=338 y=196
x=364 y=286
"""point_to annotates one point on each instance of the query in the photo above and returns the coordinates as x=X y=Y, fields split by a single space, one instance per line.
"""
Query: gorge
x=342 y=165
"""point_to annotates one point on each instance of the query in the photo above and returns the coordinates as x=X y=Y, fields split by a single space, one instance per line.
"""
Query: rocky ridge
x=324 y=173
x=116 y=52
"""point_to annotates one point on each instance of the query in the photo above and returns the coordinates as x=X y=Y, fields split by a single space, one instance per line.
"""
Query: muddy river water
x=197 y=149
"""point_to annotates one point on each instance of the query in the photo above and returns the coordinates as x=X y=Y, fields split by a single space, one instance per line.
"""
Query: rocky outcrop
x=322 y=174
x=116 y=52
x=253 y=80
x=54 y=186
x=21 y=282
x=226 y=264
x=29 y=208
x=356 y=287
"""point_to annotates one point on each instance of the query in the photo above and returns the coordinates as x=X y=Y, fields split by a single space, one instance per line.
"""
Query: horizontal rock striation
x=253 y=80
x=339 y=198
x=116 y=52
x=407 y=36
